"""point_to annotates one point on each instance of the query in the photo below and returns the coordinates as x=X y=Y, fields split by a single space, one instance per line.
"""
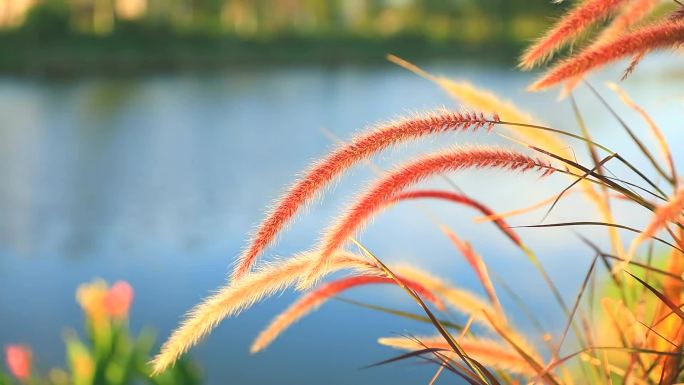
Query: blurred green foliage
x=108 y=354
x=263 y=19
x=49 y=18
x=72 y=36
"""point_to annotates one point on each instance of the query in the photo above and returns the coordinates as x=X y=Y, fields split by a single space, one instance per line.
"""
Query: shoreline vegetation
x=114 y=55
x=56 y=38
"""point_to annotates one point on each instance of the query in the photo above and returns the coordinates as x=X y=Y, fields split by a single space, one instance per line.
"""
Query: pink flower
x=19 y=361
x=118 y=299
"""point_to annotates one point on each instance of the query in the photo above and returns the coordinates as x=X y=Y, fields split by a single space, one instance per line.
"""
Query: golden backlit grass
x=624 y=328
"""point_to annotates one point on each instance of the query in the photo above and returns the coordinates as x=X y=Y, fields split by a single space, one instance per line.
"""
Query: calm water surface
x=158 y=180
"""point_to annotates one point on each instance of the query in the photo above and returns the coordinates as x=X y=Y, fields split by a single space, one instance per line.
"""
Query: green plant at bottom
x=108 y=353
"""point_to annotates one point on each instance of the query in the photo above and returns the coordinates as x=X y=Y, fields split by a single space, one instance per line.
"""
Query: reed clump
x=621 y=328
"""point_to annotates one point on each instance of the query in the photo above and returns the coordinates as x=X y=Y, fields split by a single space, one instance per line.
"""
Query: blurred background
x=109 y=36
x=141 y=140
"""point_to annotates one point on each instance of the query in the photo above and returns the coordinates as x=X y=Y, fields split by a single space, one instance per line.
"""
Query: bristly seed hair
x=363 y=146
x=237 y=296
x=662 y=35
x=569 y=27
x=406 y=175
x=313 y=300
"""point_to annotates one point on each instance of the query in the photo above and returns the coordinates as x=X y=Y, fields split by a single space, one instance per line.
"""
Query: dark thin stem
x=591 y=223
x=636 y=198
x=578 y=137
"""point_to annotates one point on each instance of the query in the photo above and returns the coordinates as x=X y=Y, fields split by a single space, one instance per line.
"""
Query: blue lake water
x=157 y=180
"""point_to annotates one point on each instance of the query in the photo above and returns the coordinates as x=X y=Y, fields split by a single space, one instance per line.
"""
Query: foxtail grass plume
x=678 y=14
x=484 y=100
x=661 y=35
x=485 y=351
x=631 y=13
x=323 y=172
x=313 y=300
x=405 y=176
x=239 y=295
x=574 y=23
x=480 y=99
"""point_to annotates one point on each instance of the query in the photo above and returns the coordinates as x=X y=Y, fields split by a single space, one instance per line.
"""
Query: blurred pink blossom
x=118 y=299
x=19 y=361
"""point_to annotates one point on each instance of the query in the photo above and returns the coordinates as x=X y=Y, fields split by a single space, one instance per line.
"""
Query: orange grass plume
x=376 y=197
x=661 y=35
x=326 y=170
x=567 y=29
x=631 y=13
x=313 y=300
x=480 y=99
x=485 y=351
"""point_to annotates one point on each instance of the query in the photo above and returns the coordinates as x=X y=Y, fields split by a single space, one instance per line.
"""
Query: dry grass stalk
x=472 y=97
x=485 y=351
x=662 y=35
x=325 y=171
x=237 y=296
x=371 y=201
x=567 y=29
x=312 y=301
